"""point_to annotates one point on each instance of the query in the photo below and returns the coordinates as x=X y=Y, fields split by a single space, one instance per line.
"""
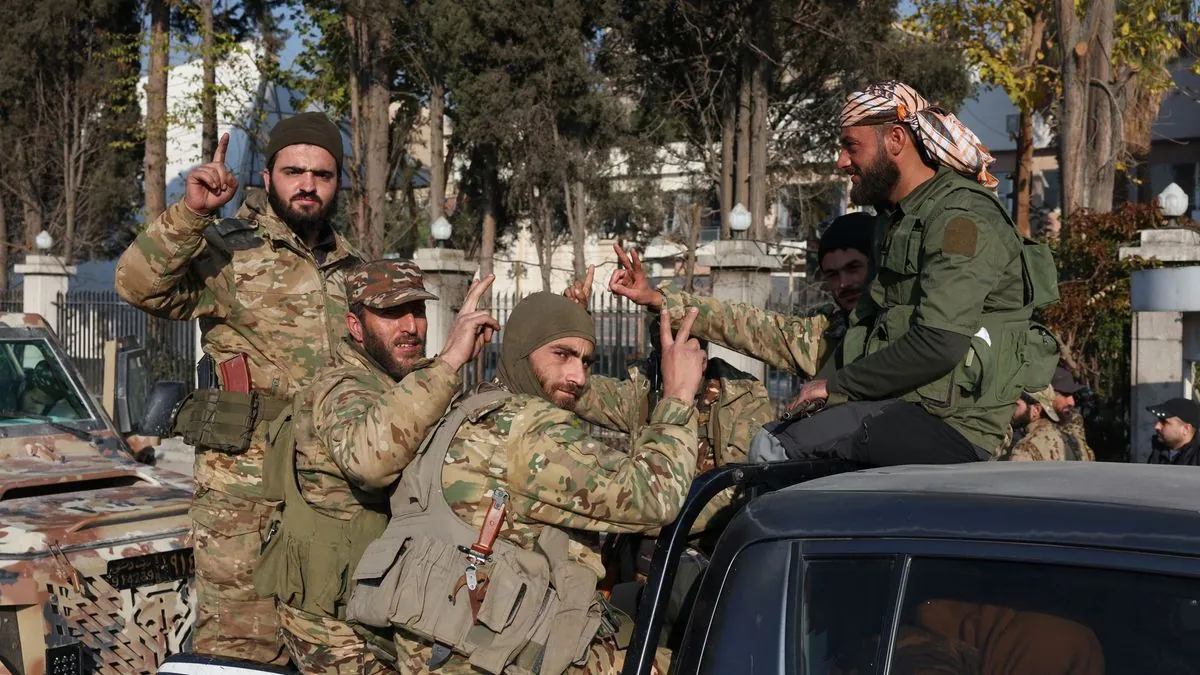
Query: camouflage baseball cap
x=1045 y=398
x=383 y=284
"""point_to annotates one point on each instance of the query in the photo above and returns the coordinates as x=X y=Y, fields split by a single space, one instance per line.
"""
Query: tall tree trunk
x=758 y=152
x=208 y=92
x=1105 y=141
x=689 y=265
x=576 y=203
x=543 y=240
x=487 y=245
x=437 y=151
x=155 y=166
x=728 y=122
x=354 y=165
x=1021 y=183
x=375 y=164
x=741 y=176
x=1073 y=118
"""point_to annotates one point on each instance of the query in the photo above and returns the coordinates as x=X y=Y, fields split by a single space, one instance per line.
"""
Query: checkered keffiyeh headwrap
x=947 y=140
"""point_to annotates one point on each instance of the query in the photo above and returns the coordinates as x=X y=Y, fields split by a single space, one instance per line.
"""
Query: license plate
x=150 y=569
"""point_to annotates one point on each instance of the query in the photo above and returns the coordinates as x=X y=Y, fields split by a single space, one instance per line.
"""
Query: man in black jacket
x=1175 y=438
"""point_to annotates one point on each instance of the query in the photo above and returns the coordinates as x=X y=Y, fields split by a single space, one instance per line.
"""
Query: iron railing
x=87 y=319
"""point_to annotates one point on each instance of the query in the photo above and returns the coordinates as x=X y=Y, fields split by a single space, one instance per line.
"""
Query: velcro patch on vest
x=962 y=236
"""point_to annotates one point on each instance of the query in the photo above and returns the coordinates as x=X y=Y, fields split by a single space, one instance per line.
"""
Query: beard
x=379 y=350
x=561 y=393
x=875 y=181
x=300 y=221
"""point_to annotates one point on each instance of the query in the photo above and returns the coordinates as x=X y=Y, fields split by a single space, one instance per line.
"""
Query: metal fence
x=87 y=319
x=12 y=300
x=621 y=337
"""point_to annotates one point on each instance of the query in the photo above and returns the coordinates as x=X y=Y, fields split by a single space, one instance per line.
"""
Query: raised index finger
x=664 y=329
x=587 y=284
x=475 y=293
x=222 y=146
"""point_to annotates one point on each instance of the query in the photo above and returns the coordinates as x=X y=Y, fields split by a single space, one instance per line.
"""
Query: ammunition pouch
x=540 y=611
x=214 y=419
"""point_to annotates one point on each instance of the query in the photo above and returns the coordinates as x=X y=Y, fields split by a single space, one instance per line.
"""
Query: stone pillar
x=1166 y=327
x=741 y=272
x=448 y=274
x=46 y=276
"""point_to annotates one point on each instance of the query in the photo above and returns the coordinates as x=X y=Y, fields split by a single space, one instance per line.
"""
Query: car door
x=880 y=606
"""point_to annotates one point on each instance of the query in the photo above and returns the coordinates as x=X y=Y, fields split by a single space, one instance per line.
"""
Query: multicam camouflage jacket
x=558 y=474
x=1044 y=441
x=798 y=344
x=256 y=289
x=356 y=428
x=1070 y=423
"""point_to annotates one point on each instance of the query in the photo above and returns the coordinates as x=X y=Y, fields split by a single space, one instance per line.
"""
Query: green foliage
x=1092 y=318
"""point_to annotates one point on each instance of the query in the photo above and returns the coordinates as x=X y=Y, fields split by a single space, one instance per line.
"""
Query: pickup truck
x=95 y=546
x=1041 y=568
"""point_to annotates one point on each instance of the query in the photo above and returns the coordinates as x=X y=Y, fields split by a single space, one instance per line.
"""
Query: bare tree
x=208 y=92
x=155 y=178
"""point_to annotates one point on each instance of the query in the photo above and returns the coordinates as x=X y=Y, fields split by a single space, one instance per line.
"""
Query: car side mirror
x=160 y=408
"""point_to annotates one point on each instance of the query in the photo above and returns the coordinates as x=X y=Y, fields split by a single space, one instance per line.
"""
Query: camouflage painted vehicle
x=95 y=547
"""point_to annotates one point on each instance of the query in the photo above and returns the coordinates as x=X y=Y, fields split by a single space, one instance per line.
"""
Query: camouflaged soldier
x=800 y=343
x=943 y=344
x=351 y=434
x=1040 y=438
x=268 y=285
x=518 y=463
x=1070 y=420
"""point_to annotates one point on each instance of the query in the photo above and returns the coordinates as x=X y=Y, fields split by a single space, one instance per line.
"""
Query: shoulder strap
x=431 y=456
x=224 y=234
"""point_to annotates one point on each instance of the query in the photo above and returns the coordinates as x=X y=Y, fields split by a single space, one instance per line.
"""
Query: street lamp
x=43 y=241
x=1172 y=201
x=739 y=218
x=440 y=229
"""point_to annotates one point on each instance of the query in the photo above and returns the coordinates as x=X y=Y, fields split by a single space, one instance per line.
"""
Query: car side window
x=986 y=616
x=845 y=604
x=750 y=612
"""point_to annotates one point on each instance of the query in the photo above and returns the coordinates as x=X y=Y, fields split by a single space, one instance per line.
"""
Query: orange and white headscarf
x=946 y=140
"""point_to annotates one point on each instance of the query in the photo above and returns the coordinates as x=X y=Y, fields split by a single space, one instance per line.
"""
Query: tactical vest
x=540 y=612
x=1010 y=353
x=308 y=556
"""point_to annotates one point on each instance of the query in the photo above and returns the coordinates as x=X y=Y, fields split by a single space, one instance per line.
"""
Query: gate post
x=46 y=277
x=741 y=272
x=447 y=274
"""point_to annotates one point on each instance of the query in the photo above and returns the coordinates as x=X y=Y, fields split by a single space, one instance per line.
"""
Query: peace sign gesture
x=473 y=327
x=682 y=358
x=629 y=280
x=211 y=186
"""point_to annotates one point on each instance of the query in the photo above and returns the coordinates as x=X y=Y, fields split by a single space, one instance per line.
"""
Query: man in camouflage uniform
x=1070 y=419
x=798 y=344
x=536 y=447
x=267 y=284
x=949 y=297
x=356 y=427
x=1041 y=439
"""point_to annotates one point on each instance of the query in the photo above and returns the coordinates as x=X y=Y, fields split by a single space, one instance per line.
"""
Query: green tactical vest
x=1010 y=353
x=308 y=557
x=541 y=611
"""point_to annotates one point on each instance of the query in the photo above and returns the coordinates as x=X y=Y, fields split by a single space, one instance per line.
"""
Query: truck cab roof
x=1134 y=507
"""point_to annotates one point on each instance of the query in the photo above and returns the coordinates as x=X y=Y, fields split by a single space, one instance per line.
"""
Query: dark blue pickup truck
x=994 y=568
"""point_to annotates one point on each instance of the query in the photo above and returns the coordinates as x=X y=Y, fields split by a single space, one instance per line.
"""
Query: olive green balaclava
x=537 y=320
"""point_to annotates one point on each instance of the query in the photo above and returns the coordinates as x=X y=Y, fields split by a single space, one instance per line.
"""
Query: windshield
x=33 y=382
